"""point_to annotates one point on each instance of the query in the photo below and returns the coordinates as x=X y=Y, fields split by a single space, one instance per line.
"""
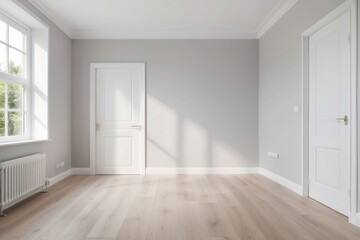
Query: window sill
x=6 y=144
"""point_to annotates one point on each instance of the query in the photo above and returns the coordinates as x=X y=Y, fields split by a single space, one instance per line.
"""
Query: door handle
x=345 y=119
x=136 y=126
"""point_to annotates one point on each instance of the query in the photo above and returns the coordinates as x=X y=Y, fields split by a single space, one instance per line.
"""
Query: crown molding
x=49 y=14
x=101 y=34
x=274 y=16
x=270 y=20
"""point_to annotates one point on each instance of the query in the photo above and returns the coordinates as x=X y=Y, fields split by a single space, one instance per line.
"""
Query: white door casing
x=329 y=105
x=120 y=118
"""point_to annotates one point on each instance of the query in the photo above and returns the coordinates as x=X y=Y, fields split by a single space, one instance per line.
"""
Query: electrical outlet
x=296 y=109
x=273 y=155
x=62 y=164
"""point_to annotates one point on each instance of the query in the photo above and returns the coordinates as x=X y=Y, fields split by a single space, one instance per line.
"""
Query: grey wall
x=59 y=149
x=358 y=105
x=202 y=99
x=280 y=87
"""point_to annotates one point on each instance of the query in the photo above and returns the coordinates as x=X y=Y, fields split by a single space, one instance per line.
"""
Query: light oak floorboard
x=182 y=207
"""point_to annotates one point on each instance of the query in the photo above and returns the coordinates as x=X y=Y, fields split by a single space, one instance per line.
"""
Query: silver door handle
x=345 y=119
x=136 y=126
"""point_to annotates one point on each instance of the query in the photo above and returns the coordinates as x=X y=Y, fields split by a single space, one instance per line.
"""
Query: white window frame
x=24 y=80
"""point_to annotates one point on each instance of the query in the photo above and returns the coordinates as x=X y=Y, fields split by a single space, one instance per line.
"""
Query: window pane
x=15 y=123
x=15 y=96
x=2 y=95
x=2 y=124
x=16 y=39
x=16 y=63
x=3 y=57
x=3 y=31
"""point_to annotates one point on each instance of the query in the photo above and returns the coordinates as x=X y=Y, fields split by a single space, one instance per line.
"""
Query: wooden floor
x=181 y=207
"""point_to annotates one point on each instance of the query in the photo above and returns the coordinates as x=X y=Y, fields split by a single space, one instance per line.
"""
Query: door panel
x=119 y=97
x=329 y=159
x=121 y=148
x=329 y=98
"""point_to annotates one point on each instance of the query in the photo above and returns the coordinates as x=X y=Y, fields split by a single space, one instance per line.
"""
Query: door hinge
x=349 y=38
x=98 y=126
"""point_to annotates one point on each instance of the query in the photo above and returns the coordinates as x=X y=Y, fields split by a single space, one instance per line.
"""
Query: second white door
x=329 y=105
x=120 y=91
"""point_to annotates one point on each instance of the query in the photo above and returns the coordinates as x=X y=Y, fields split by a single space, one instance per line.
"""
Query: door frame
x=348 y=5
x=93 y=68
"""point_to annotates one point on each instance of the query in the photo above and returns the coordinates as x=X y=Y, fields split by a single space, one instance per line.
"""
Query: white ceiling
x=144 y=19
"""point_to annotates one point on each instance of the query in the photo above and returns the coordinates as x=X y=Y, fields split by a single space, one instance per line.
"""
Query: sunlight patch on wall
x=226 y=154
x=195 y=144
x=163 y=131
x=40 y=84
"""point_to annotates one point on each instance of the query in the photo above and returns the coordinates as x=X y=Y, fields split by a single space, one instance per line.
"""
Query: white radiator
x=20 y=178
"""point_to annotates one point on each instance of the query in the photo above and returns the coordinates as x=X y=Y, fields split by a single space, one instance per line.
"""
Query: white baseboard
x=355 y=219
x=80 y=171
x=60 y=177
x=282 y=181
x=172 y=171
x=67 y=173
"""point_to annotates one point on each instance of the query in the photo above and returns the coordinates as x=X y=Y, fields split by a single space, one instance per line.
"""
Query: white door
x=329 y=114
x=120 y=112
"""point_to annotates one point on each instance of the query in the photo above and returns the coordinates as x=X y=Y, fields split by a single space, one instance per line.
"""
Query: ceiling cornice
x=270 y=20
x=49 y=14
x=274 y=16
x=101 y=34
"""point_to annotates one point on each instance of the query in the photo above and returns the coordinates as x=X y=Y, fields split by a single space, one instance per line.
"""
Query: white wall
x=59 y=149
x=280 y=87
x=202 y=99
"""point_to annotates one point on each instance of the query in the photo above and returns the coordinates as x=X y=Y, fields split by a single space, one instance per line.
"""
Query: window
x=24 y=60
x=14 y=81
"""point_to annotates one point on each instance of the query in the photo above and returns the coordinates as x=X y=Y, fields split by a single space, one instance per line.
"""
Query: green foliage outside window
x=15 y=92
x=2 y=124
x=2 y=106
x=14 y=102
x=15 y=124
x=2 y=95
x=14 y=69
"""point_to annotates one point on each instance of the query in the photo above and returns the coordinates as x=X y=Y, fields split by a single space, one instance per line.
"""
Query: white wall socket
x=273 y=155
x=296 y=109
x=60 y=165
